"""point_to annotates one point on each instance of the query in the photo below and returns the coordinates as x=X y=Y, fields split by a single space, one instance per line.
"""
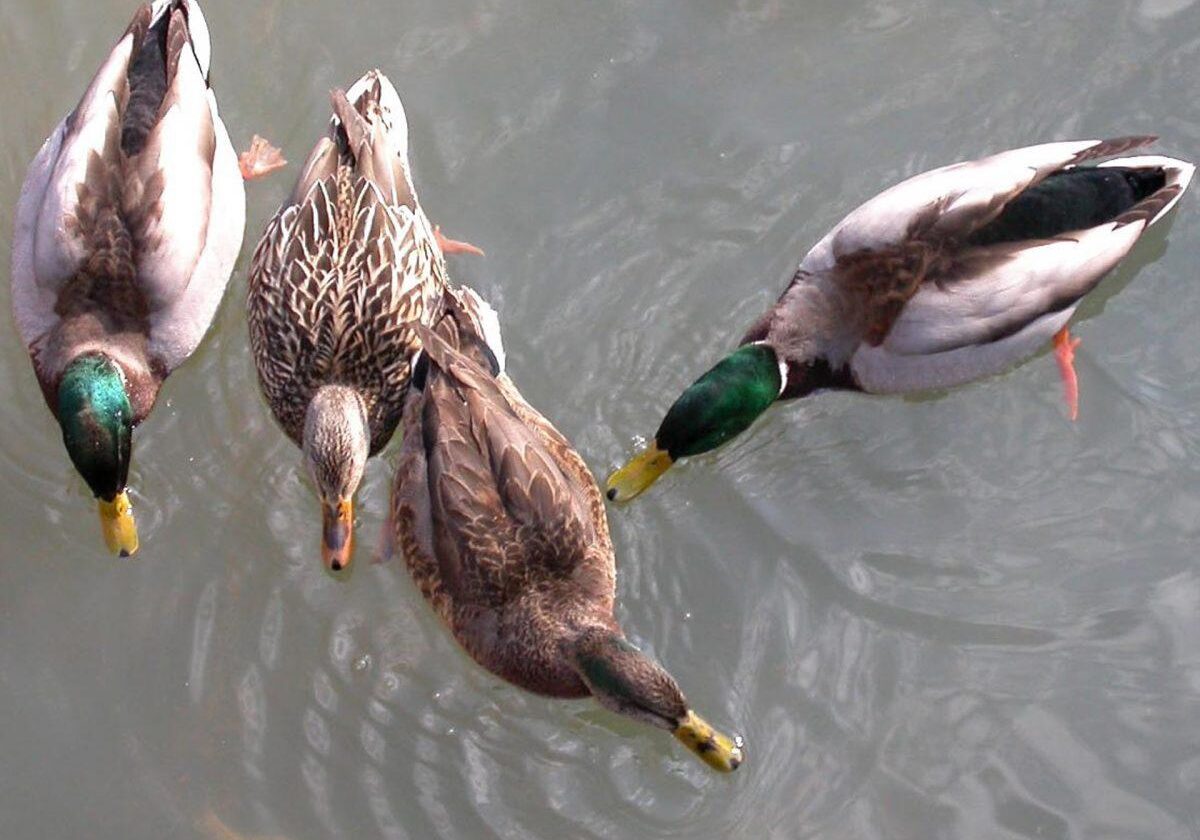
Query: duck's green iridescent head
x=718 y=406
x=97 y=429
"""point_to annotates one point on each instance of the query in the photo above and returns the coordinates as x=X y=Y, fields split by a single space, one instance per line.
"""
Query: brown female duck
x=504 y=530
x=345 y=268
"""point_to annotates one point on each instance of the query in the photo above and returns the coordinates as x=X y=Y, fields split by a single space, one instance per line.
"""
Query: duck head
x=716 y=408
x=336 y=445
x=96 y=418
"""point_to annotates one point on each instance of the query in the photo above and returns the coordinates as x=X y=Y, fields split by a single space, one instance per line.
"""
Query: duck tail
x=471 y=327
x=1160 y=181
x=484 y=324
x=370 y=125
x=197 y=26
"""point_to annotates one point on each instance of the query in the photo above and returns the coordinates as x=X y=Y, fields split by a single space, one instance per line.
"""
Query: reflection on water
x=951 y=617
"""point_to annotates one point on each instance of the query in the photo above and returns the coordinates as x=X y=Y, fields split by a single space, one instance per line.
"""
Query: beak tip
x=636 y=476
x=337 y=536
x=738 y=754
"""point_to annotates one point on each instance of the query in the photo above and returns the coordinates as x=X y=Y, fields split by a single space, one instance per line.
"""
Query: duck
x=340 y=277
x=126 y=232
x=953 y=275
x=504 y=531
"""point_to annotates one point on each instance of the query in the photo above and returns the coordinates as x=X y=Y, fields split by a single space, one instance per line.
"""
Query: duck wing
x=483 y=506
x=953 y=201
x=963 y=271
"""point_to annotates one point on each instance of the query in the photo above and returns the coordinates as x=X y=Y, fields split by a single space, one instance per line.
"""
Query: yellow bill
x=633 y=478
x=116 y=520
x=718 y=751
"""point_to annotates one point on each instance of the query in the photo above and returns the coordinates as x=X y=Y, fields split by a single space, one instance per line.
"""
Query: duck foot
x=260 y=159
x=1064 y=353
x=455 y=246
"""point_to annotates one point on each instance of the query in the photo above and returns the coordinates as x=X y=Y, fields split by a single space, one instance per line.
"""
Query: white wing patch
x=999 y=304
x=983 y=324
x=488 y=321
x=1009 y=293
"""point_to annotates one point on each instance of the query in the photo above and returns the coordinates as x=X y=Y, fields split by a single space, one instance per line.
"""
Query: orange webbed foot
x=1064 y=353
x=455 y=246
x=260 y=159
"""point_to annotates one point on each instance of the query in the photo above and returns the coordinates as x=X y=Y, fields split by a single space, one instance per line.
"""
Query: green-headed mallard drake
x=953 y=275
x=343 y=272
x=127 y=229
x=504 y=530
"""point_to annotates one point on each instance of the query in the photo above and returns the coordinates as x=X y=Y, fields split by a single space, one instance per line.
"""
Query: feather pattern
x=131 y=215
x=346 y=269
x=497 y=516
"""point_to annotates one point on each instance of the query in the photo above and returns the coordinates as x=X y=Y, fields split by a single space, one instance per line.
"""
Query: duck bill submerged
x=118 y=526
x=635 y=478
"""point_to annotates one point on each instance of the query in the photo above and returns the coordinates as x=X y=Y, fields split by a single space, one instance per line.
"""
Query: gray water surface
x=961 y=616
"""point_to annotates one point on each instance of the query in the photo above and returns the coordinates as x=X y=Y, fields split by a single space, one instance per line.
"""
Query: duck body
x=342 y=273
x=504 y=532
x=497 y=516
x=344 y=267
x=953 y=275
x=127 y=228
x=967 y=270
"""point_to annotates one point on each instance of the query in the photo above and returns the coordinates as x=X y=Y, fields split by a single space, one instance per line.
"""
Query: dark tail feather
x=1144 y=182
x=458 y=329
x=146 y=78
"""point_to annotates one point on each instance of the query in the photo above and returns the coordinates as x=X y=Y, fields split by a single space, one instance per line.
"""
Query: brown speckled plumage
x=499 y=520
x=345 y=268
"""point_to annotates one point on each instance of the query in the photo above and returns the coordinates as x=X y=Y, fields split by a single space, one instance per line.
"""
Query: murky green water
x=956 y=617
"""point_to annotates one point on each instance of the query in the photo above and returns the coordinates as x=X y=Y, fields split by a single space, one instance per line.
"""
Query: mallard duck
x=342 y=274
x=504 y=531
x=950 y=276
x=127 y=228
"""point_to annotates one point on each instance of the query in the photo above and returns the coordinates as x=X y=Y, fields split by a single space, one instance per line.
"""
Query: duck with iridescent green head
x=953 y=275
x=126 y=231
